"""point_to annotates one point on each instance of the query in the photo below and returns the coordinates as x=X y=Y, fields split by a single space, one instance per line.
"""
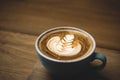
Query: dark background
x=21 y=21
x=101 y=18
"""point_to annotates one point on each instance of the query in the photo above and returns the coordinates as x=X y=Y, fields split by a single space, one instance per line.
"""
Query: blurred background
x=21 y=21
x=101 y=18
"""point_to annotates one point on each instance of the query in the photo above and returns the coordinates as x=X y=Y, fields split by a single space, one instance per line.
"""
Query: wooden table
x=21 y=21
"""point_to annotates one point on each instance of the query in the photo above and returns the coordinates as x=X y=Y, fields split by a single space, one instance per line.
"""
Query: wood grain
x=18 y=60
x=110 y=72
x=21 y=21
x=98 y=17
x=17 y=55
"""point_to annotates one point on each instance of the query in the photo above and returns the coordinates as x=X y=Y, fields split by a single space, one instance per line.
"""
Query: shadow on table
x=91 y=75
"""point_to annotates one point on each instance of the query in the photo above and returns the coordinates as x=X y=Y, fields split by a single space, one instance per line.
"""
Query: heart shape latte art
x=65 y=46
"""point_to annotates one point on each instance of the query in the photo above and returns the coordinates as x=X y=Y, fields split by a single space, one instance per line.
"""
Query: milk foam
x=64 y=46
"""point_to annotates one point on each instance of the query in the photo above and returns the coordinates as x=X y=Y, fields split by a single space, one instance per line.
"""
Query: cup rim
x=65 y=61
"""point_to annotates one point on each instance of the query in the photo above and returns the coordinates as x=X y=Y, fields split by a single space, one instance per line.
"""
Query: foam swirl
x=64 y=46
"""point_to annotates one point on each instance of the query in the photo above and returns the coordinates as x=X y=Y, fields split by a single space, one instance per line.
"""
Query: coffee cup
x=67 y=51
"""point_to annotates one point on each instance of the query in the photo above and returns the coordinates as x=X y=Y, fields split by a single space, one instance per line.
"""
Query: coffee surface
x=65 y=44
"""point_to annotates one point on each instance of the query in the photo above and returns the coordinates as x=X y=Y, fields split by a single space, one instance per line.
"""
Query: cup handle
x=102 y=58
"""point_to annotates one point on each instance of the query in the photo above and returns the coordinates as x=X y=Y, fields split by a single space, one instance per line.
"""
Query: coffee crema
x=65 y=44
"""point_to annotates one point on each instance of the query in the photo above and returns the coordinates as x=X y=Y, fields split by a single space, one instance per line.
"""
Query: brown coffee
x=65 y=44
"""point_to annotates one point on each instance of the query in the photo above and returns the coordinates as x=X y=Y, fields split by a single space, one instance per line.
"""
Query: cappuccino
x=65 y=44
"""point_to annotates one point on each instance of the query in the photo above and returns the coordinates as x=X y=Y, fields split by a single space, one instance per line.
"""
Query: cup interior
x=63 y=28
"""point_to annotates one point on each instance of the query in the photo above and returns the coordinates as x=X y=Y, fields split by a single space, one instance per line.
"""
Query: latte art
x=65 y=46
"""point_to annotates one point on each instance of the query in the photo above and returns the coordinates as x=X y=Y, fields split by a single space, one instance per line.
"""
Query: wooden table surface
x=21 y=21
